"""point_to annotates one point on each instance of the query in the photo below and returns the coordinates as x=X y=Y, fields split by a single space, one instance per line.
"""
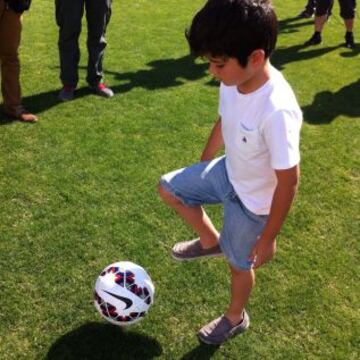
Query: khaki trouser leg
x=10 y=31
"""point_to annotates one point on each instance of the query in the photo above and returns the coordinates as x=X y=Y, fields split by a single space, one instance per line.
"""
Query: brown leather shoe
x=22 y=114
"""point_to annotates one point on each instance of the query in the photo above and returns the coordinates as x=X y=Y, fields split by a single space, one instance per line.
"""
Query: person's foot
x=102 y=90
x=67 y=93
x=305 y=15
x=314 y=40
x=20 y=113
x=349 y=40
x=190 y=250
x=219 y=330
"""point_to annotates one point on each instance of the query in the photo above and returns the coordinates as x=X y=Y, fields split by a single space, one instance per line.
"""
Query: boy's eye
x=220 y=66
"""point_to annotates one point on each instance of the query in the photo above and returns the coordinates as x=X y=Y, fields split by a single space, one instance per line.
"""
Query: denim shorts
x=208 y=183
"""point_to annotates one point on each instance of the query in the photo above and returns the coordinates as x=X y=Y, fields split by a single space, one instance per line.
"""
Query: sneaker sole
x=195 y=257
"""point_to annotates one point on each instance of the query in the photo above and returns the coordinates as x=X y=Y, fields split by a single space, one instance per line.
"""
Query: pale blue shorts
x=208 y=183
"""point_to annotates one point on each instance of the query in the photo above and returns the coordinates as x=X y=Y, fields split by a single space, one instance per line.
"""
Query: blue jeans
x=208 y=183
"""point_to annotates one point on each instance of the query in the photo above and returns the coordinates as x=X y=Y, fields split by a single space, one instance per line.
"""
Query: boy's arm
x=215 y=142
x=287 y=184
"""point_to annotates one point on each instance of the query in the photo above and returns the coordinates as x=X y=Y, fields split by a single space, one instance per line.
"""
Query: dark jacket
x=18 y=6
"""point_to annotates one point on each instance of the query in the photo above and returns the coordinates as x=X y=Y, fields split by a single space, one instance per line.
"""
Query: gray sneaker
x=220 y=329
x=102 y=90
x=189 y=250
x=67 y=93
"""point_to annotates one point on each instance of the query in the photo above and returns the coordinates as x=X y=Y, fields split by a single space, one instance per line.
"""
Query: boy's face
x=230 y=72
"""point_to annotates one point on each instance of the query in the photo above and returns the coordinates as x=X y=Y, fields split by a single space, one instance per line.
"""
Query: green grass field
x=78 y=192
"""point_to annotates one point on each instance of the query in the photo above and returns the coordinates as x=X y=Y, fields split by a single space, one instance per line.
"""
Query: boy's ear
x=257 y=57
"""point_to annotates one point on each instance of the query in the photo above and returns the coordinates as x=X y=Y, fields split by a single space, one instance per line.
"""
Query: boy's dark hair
x=233 y=28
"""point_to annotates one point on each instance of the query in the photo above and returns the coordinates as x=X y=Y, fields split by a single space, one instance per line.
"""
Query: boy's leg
x=186 y=190
x=195 y=216
x=238 y=238
x=242 y=282
x=235 y=320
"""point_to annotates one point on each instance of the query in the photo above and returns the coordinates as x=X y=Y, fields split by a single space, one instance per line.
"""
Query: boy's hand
x=263 y=251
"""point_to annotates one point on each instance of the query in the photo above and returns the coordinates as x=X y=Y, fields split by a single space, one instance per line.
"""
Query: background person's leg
x=68 y=18
x=98 y=13
x=10 y=33
x=308 y=11
x=321 y=15
x=347 y=12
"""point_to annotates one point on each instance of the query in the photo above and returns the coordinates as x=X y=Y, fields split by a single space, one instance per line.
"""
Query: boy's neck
x=256 y=81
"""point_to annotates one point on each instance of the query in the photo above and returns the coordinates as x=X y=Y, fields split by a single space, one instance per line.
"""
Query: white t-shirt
x=261 y=131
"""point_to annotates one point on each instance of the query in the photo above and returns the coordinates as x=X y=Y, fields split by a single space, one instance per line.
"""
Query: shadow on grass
x=352 y=53
x=42 y=102
x=167 y=73
x=103 y=341
x=201 y=352
x=283 y=56
x=161 y=74
x=326 y=105
x=291 y=25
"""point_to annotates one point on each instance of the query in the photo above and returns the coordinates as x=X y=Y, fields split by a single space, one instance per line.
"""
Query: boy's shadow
x=326 y=105
x=201 y=352
x=103 y=341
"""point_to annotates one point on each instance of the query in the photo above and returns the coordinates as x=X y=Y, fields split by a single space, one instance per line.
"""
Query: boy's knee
x=239 y=272
x=166 y=196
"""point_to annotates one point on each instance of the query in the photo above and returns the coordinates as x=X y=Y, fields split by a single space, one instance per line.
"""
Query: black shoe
x=349 y=40
x=305 y=15
x=314 y=40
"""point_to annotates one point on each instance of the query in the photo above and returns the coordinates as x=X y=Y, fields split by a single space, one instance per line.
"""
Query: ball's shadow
x=103 y=341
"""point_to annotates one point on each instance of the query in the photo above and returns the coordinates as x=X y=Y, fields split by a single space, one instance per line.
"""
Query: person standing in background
x=68 y=17
x=10 y=35
x=323 y=9
x=308 y=11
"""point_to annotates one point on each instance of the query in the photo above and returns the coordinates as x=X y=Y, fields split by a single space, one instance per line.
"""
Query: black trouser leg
x=323 y=7
x=98 y=14
x=310 y=6
x=68 y=18
x=347 y=9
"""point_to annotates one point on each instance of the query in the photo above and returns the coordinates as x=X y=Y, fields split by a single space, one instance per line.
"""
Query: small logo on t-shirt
x=244 y=139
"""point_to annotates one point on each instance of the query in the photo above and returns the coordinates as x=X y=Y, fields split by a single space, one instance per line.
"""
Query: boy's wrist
x=266 y=239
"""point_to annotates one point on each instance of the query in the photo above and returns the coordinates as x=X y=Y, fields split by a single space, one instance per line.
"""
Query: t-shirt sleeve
x=282 y=136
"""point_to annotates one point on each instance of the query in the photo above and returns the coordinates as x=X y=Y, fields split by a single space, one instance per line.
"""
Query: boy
x=259 y=125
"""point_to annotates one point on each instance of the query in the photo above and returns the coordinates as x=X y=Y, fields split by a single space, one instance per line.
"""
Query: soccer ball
x=123 y=293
